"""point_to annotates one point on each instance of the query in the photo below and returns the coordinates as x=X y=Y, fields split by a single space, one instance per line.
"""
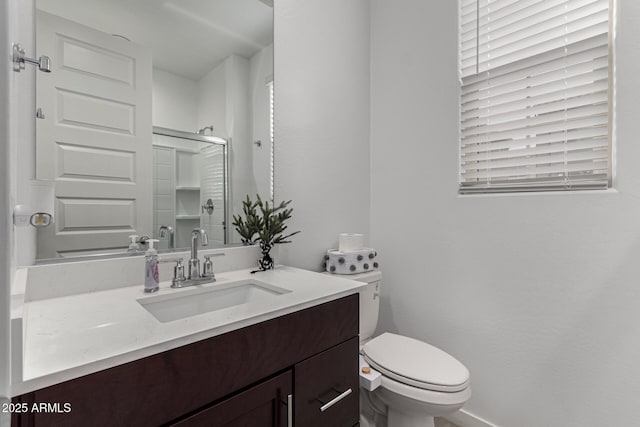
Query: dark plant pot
x=266 y=262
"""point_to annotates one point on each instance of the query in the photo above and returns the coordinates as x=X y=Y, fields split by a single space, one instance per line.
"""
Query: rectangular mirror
x=156 y=118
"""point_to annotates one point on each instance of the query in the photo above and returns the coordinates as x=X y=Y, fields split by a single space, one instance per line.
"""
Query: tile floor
x=441 y=422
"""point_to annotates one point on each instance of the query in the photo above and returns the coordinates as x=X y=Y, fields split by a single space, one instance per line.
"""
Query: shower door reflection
x=189 y=187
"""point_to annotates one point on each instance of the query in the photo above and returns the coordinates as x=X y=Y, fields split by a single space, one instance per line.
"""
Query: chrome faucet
x=167 y=229
x=194 y=262
x=194 y=277
x=181 y=281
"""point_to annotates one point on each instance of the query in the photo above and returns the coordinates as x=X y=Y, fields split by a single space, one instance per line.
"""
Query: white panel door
x=95 y=138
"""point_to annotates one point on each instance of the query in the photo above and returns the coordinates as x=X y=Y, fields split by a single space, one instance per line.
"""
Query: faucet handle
x=178 y=273
x=178 y=269
x=207 y=268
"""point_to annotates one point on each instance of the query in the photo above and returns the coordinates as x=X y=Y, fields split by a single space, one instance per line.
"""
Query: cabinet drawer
x=322 y=384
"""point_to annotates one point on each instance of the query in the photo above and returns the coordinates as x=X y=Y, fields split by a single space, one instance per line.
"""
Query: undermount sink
x=167 y=308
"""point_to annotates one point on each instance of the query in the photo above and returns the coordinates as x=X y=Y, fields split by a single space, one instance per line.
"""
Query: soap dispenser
x=151 y=276
x=133 y=246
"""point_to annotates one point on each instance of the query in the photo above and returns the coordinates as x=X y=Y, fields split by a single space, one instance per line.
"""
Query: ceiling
x=186 y=37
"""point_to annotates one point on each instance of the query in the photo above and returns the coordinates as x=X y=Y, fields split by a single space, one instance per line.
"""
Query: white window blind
x=534 y=107
x=271 y=147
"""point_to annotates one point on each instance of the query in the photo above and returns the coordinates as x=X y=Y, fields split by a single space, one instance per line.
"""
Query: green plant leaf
x=265 y=220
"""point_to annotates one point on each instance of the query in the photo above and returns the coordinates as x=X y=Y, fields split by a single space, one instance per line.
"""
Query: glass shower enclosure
x=190 y=187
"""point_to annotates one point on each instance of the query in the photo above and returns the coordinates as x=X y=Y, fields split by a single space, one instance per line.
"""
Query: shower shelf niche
x=188 y=217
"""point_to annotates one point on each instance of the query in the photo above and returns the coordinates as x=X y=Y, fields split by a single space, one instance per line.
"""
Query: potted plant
x=263 y=224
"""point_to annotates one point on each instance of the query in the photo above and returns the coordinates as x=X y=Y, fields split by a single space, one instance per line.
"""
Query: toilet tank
x=369 y=302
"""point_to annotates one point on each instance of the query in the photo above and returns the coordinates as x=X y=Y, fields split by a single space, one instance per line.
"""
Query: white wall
x=537 y=294
x=17 y=140
x=322 y=122
x=243 y=181
x=175 y=101
x=17 y=144
x=212 y=101
x=261 y=72
x=23 y=133
x=225 y=102
x=6 y=238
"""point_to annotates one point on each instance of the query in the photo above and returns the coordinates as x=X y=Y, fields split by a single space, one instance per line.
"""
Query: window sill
x=607 y=192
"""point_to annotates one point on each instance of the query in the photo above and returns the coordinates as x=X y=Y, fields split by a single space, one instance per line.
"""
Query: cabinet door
x=327 y=388
x=263 y=405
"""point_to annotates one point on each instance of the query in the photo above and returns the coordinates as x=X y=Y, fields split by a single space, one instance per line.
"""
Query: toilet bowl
x=418 y=381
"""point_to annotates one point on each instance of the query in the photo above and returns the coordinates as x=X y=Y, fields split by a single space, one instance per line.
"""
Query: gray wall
x=537 y=294
x=6 y=266
x=321 y=103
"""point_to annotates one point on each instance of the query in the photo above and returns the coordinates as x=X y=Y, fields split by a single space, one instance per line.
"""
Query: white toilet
x=418 y=381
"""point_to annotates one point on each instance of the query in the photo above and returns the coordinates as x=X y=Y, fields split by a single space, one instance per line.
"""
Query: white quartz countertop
x=75 y=335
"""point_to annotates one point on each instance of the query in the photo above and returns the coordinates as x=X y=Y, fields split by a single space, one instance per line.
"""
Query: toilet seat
x=415 y=364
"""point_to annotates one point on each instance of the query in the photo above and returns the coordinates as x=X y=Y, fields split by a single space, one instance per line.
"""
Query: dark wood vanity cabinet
x=239 y=379
x=263 y=405
x=327 y=389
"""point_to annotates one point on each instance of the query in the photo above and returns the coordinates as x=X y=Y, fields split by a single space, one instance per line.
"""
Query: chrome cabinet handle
x=290 y=410
x=335 y=400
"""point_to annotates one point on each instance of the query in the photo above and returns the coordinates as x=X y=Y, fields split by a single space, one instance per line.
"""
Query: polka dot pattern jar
x=338 y=262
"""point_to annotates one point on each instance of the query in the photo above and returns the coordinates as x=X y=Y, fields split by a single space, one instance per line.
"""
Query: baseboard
x=463 y=418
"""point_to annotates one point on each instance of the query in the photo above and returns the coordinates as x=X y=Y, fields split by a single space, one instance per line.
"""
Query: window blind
x=271 y=147
x=534 y=106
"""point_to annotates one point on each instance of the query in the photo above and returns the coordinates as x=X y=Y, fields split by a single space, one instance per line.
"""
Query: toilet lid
x=415 y=363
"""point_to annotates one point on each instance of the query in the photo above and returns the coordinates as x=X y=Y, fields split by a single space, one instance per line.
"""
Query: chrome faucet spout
x=204 y=241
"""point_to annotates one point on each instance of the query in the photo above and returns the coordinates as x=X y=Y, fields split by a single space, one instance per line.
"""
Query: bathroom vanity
x=290 y=360
x=242 y=377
